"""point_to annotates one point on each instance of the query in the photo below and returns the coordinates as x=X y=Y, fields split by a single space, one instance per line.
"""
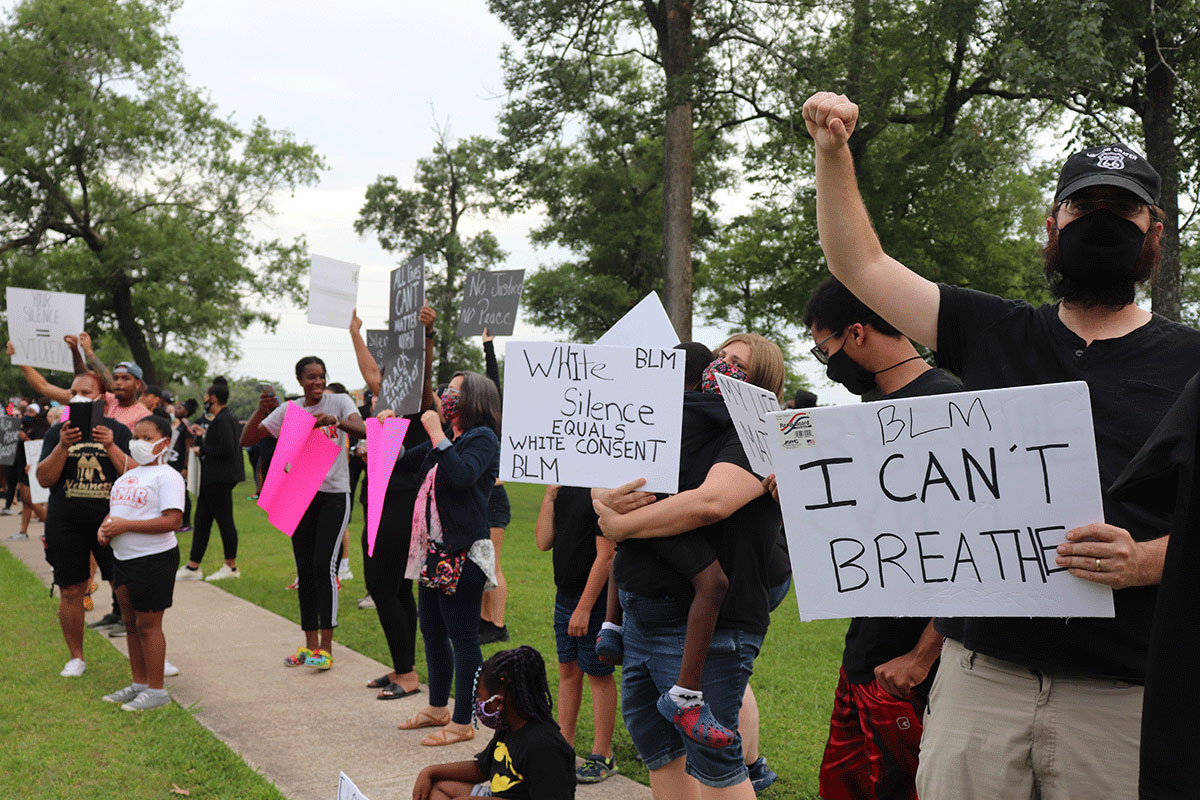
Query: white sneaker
x=366 y=602
x=344 y=573
x=8 y=512
x=224 y=572
x=169 y=670
x=185 y=574
x=123 y=695
x=74 y=668
x=146 y=701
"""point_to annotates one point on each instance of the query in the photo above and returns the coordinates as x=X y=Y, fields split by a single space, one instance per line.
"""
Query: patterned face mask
x=450 y=405
x=490 y=719
x=708 y=379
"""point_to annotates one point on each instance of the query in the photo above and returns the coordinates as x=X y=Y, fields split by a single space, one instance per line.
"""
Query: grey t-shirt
x=339 y=406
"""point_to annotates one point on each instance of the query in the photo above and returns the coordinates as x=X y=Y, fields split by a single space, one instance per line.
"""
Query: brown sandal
x=423 y=719
x=447 y=736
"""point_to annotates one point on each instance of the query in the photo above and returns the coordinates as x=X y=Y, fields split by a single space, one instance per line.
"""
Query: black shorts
x=70 y=543
x=151 y=579
x=499 y=512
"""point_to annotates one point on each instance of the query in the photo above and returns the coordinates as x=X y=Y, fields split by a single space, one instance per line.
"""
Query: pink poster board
x=302 y=459
x=384 y=441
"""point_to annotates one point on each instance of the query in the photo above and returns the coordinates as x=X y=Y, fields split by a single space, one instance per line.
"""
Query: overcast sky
x=364 y=81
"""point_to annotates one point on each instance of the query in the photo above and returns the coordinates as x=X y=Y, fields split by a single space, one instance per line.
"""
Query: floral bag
x=429 y=562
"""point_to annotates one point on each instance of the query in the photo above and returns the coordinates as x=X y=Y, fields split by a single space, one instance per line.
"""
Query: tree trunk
x=1162 y=151
x=127 y=323
x=677 y=168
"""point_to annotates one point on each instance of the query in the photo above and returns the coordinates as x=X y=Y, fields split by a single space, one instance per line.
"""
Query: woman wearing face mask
x=317 y=541
x=221 y=468
x=79 y=475
x=146 y=507
x=729 y=504
x=451 y=554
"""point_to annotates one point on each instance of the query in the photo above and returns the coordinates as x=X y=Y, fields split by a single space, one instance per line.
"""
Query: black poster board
x=490 y=300
x=403 y=364
x=10 y=439
x=377 y=345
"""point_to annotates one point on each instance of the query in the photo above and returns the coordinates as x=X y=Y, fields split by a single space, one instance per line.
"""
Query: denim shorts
x=579 y=648
x=778 y=593
x=654 y=636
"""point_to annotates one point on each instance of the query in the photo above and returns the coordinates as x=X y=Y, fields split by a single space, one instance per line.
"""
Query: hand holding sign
x=38 y=321
x=302 y=458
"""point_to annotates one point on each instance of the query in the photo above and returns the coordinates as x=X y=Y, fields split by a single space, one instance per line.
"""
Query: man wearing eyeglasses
x=1047 y=708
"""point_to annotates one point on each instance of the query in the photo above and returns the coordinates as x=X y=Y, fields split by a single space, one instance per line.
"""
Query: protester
x=582 y=561
x=743 y=522
x=888 y=663
x=33 y=427
x=527 y=756
x=181 y=445
x=317 y=540
x=451 y=553
x=145 y=509
x=388 y=589
x=79 y=475
x=499 y=513
x=221 y=469
x=1040 y=691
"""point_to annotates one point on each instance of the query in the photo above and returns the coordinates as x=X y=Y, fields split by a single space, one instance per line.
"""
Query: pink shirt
x=127 y=415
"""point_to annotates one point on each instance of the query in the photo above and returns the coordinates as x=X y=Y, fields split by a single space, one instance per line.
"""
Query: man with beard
x=1045 y=707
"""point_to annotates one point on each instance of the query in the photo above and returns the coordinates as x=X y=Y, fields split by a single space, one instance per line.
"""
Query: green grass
x=794 y=676
x=61 y=740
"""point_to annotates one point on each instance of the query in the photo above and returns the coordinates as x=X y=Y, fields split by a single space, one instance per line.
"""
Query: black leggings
x=386 y=584
x=450 y=626
x=317 y=547
x=215 y=502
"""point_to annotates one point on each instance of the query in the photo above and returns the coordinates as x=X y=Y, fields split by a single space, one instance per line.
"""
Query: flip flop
x=422 y=719
x=382 y=682
x=446 y=736
x=394 y=691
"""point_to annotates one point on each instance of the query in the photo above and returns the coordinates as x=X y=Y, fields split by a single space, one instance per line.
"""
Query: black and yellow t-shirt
x=88 y=474
x=533 y=762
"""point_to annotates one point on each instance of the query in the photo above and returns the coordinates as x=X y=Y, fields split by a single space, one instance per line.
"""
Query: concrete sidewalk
x=298 y=727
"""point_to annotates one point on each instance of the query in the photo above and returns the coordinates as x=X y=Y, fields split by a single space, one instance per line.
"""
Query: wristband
x=428 y=333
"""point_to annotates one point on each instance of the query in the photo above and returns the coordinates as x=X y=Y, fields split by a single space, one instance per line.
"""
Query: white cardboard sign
x=38 y=321
x=592 y=416
x=347 y=790
x=644 y=325
x=748 y=407
x=948 y=505
x=33 y=454
x=193 y=470
x=332 y=292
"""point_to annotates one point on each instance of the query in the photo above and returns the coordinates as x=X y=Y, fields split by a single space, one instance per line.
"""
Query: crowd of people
x=678 y=590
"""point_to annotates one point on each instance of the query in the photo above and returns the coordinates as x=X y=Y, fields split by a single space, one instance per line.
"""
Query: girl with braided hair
x=527 y=757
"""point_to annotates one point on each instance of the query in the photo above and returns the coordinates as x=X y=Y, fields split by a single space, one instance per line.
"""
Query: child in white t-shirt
x=145 y=508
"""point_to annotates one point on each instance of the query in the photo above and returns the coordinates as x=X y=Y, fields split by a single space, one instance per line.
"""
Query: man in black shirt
x=875 y=730
x=1040 y=707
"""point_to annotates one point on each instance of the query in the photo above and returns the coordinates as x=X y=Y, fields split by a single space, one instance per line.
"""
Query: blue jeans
x=654 y=636
x=581 y=649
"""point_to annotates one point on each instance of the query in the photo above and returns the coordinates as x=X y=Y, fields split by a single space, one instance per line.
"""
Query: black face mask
x=207 y=405
x=849 y=373
x=1100 y=249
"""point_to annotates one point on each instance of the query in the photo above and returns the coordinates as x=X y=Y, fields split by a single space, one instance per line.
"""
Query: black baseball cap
x=1115 y=164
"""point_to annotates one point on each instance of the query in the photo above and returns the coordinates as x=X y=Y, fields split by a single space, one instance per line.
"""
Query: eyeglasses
x=451 y=390
x=1127 y=207
x=819 y=354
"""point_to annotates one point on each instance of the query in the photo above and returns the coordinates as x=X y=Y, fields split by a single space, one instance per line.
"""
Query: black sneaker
x=108 y=620
x=493 y=634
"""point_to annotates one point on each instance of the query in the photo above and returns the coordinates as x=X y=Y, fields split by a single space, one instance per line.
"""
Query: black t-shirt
x=1133 y=380
x=534 y=762
x=871 y=641
x=81 y=493
x=575 y=532
x=1164 y=476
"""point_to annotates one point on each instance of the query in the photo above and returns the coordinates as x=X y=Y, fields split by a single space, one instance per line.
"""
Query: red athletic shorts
x=874 y=741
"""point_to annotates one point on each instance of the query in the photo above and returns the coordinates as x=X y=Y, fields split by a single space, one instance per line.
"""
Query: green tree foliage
x=120 y=181
x=457 y=183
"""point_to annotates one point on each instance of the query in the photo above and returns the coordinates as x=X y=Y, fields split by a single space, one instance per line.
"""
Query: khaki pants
x=995 y=730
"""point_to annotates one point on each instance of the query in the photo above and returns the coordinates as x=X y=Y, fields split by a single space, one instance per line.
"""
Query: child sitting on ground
x=527 y=757
x=582 y=564
x=690 y=559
